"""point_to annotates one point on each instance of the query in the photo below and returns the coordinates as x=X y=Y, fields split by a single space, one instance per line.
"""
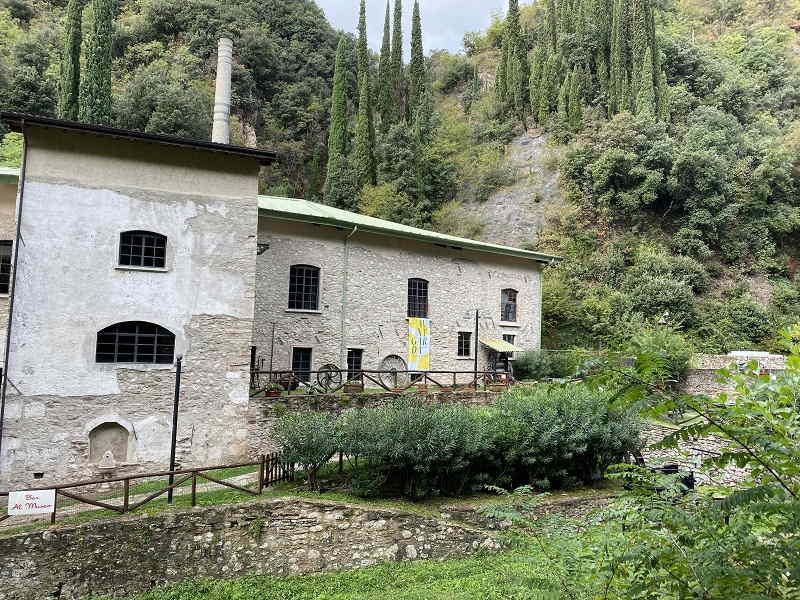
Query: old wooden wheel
x=394 y=372
x=330 y=378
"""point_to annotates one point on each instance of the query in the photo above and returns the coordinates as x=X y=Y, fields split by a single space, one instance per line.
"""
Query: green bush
x=309 y=439
x=668 y=346
x=537 y=365
x=424 y=449
x=556 y=435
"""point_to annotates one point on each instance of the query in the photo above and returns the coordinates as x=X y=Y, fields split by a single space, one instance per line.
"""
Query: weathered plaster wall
x=264 y=412
x=281 y=537
x=8 y=204
x=375 y=296
x=81 y=192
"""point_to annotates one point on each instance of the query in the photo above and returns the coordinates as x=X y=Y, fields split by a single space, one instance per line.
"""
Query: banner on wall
x=419 y=344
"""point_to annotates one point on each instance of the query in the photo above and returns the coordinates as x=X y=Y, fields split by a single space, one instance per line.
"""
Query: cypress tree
x=618 y=87
x=646 y=97
x=71 y=63
x=501 y=81
x=364 y=159
x=417 y=68
x=663 y=98
x=575 y=100
x=398 y=77
x=363 y=49
x=551 y=24
x=548 y=95
x=385 y=87
x=517 y=60
x=337 y=135
x=563 y=100
x=95 y=91
x=535 y=83
x=365 y=123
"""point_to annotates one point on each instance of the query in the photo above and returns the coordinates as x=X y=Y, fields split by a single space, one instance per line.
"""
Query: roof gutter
x=544 y=259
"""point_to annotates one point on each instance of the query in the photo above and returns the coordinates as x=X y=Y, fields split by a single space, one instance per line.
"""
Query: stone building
x=138 y=249
x=135 y=249
x=334 y=287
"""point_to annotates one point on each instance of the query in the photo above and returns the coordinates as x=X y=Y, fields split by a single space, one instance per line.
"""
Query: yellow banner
x=419 y=344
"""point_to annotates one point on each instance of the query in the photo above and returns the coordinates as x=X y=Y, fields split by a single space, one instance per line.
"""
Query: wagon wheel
x=330 y=378
x=394 y=373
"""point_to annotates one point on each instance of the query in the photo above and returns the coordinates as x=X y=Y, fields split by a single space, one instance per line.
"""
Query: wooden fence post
x=261 y=474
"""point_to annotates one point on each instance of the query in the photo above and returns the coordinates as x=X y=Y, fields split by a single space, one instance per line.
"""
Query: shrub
x=554 y=435
x=309 y=439
x=544 y=364
x=668 y=346
x=425 y=449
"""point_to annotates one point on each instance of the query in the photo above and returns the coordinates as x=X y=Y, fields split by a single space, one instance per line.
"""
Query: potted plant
x=273 y=390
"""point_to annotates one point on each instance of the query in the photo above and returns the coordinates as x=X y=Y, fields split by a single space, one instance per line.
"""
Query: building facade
x=133 y=252
x=138 y=250
x=334 y=287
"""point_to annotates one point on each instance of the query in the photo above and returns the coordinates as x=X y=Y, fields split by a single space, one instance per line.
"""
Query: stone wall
x=702 y=378
x=264 y=412
x=367 y=309
x=278 y=537
x=690 y=454
x=71 y=285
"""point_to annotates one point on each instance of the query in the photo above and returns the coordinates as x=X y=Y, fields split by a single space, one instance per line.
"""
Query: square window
x=142 y=249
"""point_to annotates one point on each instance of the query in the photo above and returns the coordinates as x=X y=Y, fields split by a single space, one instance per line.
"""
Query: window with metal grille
x=142 y=249
x=303 y=287
x=135 y=342
x=301 y=363
x=418 y=298
x=464 y=344
x=509 y=338
x=355 y=359
x=508 y=306
x=5 y=266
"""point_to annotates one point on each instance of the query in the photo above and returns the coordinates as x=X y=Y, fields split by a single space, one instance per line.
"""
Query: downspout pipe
x=342 y=351
x=12 y=295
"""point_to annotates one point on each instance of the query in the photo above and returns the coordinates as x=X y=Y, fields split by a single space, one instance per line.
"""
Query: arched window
x=135 y=342
x=108 y=437
x=142 y=249
x=508 y=306
x=418 y=298
x=303 y=287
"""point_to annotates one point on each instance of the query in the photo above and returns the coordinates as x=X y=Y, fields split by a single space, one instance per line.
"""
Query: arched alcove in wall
x=108 y=437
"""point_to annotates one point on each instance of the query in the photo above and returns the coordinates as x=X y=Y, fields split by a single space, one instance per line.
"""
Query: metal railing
x=271 y=470
x=331 y=380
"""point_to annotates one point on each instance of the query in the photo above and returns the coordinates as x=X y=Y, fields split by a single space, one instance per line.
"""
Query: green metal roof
x=9 y=174
x=293 y=209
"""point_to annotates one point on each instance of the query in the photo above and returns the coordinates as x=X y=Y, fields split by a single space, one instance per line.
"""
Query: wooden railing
x=271 y=470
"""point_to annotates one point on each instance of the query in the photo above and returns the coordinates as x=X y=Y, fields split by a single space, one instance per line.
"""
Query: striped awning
x=501 y=346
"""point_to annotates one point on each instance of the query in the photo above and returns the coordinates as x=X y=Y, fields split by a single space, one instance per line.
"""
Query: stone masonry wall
x=702 y=379
x=376 y=292
x=278 y=537
x=690 y=455
x=264 y=412
x=71 y=286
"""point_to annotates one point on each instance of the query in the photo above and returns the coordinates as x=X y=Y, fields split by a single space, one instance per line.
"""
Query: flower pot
x=273 y=394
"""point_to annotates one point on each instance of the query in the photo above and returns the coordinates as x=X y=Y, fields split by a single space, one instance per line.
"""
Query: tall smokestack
x=221 y=133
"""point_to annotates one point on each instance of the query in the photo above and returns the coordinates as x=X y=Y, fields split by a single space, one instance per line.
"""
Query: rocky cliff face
x=515 y=215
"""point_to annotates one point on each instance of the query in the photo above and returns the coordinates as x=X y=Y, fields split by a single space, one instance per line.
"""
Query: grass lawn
x=521 y=573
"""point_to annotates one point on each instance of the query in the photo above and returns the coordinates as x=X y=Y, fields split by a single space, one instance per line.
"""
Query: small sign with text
x=39 y=502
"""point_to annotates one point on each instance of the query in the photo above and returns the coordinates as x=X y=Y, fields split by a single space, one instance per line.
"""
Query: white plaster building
x=137 y=249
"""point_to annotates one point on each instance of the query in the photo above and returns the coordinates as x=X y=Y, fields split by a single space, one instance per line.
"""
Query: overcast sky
x=444 y=22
